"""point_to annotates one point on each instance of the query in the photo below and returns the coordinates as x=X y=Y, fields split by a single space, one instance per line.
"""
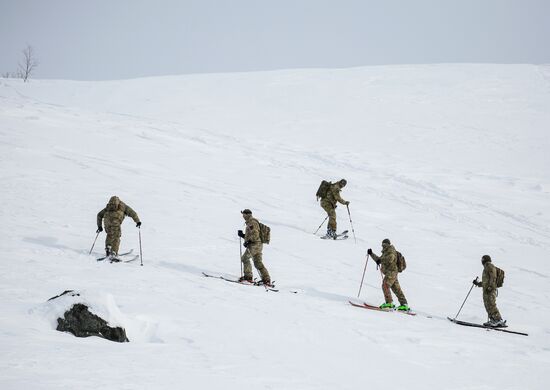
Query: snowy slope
x=449 y=161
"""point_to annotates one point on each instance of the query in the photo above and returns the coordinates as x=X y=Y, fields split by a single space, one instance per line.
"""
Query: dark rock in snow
x=79 y=321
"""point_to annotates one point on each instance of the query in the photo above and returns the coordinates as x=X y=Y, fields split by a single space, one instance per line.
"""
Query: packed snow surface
x=450 y=162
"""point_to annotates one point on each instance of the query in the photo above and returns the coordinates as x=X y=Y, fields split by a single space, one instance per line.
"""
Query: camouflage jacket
x=333 y=195
x=252 y=233
x=115 y=212
x=388 y=259
x=489 y=277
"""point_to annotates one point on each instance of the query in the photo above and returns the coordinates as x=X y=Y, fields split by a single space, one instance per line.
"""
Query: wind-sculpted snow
x=448 y=161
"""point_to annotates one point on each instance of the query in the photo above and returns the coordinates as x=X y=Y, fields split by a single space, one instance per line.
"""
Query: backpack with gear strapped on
x=401 y=263
x=265 y=233
x=500 y=277
x=323 y=189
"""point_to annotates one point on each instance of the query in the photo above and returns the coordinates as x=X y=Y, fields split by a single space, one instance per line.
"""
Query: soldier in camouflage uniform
x=489 y=285
x=388 y=260
x=328 y=203
x=254 y=247
x=112 y=216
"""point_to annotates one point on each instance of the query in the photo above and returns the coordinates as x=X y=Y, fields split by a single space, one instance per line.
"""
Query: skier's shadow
x=50 y=242
x=182 y=267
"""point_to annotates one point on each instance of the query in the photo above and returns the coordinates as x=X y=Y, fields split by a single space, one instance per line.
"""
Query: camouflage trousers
x=254 y=251
x=390 y=281
x=331 y=212
x=490 y=302
x=113 y=238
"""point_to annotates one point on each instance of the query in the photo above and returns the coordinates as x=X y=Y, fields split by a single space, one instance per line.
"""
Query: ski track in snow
x=448 y=161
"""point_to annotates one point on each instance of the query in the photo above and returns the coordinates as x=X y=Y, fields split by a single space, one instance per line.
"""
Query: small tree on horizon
x=29 y=63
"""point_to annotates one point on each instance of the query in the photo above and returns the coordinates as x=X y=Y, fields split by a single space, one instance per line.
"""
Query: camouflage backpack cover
x=500 y=277
x=265 y=233
x=401 y=263
x=323 y=189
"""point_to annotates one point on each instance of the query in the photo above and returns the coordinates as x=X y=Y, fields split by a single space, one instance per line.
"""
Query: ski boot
x=245 y=278
x=404 y=307
x=265 y=283
x=331 y=233
x=502 y=324
x=495 y=323
x=112 y=256
x=491 y=323
x=387 y=305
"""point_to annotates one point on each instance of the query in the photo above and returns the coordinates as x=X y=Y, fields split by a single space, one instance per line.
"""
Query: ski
x=116 y=260
x=267 y=288
x=474 y=325
x=376 y=308
x=339 y=236
x=122 y=254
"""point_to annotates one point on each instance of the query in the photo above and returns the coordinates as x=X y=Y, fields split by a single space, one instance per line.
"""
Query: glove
x=245 y=244
x=99 y=229
x=240 y=233
x=347 y=203
x=369 y=251
x=138 y=224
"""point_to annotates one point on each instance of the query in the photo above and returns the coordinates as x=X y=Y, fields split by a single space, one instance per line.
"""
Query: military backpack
x=401 y=263
x=500 y=277
x=322 y=191
x=265 y=233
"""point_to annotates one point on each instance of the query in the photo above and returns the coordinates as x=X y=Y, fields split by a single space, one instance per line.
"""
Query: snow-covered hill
x=449 y=161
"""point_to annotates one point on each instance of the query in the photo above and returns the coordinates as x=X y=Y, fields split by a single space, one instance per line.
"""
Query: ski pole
x=140 y=251
x=92 y=248
x=322 y=223
x=351 y=223
x=465 y=299
x=241 y=253
x=363 y=278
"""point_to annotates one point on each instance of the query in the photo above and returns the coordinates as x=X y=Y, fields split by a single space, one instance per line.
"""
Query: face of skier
x=114 y=202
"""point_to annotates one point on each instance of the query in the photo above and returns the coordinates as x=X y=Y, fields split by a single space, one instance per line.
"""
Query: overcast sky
x=112 y=39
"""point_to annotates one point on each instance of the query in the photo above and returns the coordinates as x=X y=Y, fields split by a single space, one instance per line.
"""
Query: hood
x=114 y=202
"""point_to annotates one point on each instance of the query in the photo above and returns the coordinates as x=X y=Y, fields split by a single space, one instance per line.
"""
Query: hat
x=485 y=259
x=246 y=211
x=386 y=241
x=343 y=182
